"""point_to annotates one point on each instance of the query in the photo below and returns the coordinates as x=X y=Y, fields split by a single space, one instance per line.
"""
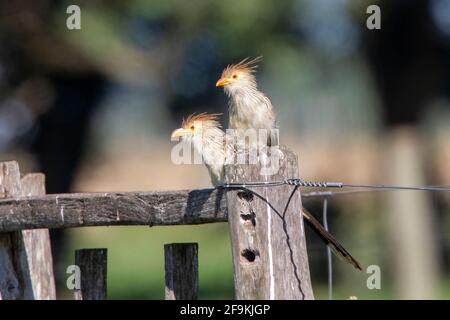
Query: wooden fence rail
x=113 y=209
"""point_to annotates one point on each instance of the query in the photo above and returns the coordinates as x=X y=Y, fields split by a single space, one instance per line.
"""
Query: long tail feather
x=329 y=240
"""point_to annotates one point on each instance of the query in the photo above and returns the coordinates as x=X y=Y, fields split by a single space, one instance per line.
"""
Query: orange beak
x=222 y=82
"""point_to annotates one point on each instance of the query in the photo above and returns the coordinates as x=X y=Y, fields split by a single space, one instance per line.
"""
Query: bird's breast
x=247 y=113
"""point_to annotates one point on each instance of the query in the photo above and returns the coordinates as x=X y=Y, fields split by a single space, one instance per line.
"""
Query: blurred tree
x=31 y=51
x=409 y=58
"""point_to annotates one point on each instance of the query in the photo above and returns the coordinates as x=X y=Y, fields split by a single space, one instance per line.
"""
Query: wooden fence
x=266 y=228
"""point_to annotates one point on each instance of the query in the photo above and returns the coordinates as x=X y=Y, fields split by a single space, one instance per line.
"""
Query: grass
x=136 y=258
x=136 y=263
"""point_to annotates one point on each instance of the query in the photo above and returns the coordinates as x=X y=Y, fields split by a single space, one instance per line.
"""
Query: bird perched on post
x=205 y=133
x=249 y=108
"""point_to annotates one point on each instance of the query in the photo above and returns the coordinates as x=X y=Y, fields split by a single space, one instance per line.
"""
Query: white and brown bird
x=249 y=108
x=204 y=132
x=207 y=137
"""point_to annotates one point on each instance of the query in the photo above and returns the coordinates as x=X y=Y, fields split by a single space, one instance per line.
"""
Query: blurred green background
x=94 y=108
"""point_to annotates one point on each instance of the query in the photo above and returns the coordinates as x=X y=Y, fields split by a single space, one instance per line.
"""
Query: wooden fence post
x=26 y=270
x=12 y=284
x=37 y=245
x=268 y=241
x=93 y=268
x=409 y=219
x=181 y=266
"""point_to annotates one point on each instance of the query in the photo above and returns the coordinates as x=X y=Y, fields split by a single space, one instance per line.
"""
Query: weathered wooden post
x=181 y=266
x=37 y=245
x=413 y=258
x=267 y=237
x=26 y=270
x=93 y=268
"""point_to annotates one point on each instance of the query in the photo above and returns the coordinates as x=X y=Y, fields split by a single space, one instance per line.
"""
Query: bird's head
x=196 y=125
x=239 y=76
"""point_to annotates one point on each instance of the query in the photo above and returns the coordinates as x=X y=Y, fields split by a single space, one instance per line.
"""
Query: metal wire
x=328 y=184
x=254 y=184
x=339 y=193
x=396 y=187
x=316 y=184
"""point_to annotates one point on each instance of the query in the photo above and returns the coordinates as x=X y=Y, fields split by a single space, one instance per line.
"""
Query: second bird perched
x=204 y=132
x=249 y=108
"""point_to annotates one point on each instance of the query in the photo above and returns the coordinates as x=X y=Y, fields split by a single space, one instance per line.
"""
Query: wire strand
x=396 y=187
x=254 y=184
x=339 y=185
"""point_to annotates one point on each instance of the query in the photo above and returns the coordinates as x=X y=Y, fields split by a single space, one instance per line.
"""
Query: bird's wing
x=328 y=238
x=269 y=106
x=273 y=138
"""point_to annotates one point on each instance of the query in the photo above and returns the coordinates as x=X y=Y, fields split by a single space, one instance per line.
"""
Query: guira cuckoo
x=249 y=108
x=205 y=133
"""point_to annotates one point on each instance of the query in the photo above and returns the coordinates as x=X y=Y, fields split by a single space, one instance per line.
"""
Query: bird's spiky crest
x=247 y=65
x=210 y=118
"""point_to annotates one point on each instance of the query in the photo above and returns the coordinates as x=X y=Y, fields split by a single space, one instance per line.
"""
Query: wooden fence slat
x=13 y=282
x=108 y=209
x=37 y=246
x=181 y=266
x=26 y=270
x=93 y=268
x=268 y=241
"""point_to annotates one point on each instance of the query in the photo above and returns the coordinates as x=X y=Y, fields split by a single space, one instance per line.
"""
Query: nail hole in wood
x=249 y=218
x=245 y=195
x=249 y=255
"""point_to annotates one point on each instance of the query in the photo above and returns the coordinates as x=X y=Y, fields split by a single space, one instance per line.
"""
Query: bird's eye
x=234 y=76
x=192 y=127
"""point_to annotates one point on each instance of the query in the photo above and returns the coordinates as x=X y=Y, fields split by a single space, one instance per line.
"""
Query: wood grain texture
x=93 y=267
x=109 y=209
x=181 y=267
x=269 y=253
x=15 y=282
x=37 y=246
x=26 y=270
